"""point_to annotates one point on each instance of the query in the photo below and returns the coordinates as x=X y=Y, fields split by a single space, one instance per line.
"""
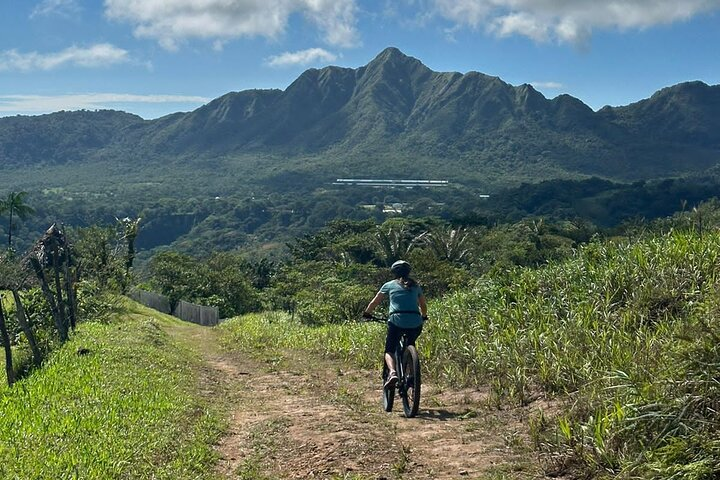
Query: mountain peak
x=390 y=52
x=393 y=55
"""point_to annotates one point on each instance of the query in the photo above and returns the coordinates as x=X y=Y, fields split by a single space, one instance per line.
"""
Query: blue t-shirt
x=404 y=309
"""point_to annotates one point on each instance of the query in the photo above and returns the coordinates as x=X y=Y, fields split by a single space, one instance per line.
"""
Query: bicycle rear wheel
x=411 y=381
x=388 y=392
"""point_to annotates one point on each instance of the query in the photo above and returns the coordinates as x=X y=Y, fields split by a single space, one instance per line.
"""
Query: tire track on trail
x=301 y=417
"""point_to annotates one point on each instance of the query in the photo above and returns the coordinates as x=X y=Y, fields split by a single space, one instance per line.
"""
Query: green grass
x=362 y=343
x=120 y=400
x=625 y=334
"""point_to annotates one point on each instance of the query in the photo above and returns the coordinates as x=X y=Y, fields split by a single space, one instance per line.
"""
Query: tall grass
x=120 y=400
x=625 y=332
x=615 y=330
x=274 y=331
x=612 y=307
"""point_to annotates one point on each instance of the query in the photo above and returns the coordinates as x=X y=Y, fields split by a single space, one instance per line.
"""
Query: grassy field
x=625 y=335
x=120 y=400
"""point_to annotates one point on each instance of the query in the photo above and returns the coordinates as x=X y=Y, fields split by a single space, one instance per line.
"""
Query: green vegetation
x=353 y=341
x=566 y=289
x=207 y=216
x=331 y=274
x=14 y=206
x=625 y=332
x=253 y=170
x=119 y=400
x=619 y=332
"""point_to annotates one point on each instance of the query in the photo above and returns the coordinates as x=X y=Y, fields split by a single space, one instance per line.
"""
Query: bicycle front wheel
x=411 y=381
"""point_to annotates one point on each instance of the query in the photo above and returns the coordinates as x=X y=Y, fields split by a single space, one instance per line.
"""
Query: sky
x=156 y=57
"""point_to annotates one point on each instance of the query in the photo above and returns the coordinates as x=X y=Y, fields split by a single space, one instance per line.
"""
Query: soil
x=301 y=417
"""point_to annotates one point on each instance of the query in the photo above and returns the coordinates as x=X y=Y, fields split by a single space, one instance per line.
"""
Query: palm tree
x=450 y=244
x=14 y=204
x=394 y=243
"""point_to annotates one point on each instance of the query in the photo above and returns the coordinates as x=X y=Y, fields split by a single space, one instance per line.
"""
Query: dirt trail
x=301 y=417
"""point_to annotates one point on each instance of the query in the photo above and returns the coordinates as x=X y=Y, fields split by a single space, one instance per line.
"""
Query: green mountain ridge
x=353 y=121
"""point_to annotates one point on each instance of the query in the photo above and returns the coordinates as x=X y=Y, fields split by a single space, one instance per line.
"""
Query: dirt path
x=301 y=417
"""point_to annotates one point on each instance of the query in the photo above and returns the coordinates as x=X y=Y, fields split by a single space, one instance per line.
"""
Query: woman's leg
x=391 y=341
x=390 y=362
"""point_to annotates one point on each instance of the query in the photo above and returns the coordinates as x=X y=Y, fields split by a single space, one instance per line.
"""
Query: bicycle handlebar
x=374 y=318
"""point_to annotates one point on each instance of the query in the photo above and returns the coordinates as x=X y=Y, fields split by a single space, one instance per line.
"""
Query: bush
x=334 y=302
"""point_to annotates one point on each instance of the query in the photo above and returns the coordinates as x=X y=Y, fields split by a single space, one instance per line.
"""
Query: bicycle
x=407 y=367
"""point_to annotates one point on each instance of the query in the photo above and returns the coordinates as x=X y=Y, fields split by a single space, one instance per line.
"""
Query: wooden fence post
x=70 y=291
x=55 y=256
x=25 y=325
x=50 y=298
x=8 y=350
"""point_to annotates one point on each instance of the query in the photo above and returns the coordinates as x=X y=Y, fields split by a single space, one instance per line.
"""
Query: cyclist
x=408 y=312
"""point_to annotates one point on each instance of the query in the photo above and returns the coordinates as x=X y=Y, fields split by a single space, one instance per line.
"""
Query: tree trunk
x=10 y=228
x=50 y=298
x=8 y=350
x=25 y=325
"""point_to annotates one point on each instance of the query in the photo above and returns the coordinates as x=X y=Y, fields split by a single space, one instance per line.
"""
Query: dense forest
x=264 y=221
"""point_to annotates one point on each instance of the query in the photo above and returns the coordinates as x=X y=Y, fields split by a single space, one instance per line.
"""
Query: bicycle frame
x=399 y=366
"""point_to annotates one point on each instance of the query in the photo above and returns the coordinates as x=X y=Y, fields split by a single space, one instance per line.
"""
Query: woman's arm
x=423 y=306
x=374 y=302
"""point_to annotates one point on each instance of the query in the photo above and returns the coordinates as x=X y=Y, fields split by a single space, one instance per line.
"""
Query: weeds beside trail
x=120 y=400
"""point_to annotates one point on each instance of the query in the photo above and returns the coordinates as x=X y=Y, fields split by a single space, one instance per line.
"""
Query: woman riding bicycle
x=408 y=312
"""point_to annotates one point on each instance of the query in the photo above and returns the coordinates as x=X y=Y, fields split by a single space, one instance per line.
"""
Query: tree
x=394 y=242
x=129 y=229
x=14 y=204
x=449 y=244
x=178 y=276
x=99 y=256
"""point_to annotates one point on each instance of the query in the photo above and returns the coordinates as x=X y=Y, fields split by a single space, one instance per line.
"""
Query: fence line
x=153 y=300
x=190 y=312
x=208 y=316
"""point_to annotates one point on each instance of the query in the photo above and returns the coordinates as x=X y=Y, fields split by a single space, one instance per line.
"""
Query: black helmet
x=401 y=268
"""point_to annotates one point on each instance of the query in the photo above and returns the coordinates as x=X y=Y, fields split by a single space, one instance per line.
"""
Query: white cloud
x=171 y=22
x=66 y=8
x=566 y=20
x=547 y=85
x=100 y=55
x=303 y=57
x=467 y=12
x=520 y=23
x=89 y=101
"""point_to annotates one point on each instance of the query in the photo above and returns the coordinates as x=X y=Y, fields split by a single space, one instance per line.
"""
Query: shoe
x=391 y=381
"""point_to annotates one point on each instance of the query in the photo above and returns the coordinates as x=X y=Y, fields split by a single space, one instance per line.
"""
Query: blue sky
x=154 y=57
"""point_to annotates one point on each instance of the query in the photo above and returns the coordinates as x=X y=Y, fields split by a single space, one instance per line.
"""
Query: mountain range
x=394 y=116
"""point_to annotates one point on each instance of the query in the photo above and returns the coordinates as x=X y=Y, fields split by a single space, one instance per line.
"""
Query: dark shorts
x=394 y=333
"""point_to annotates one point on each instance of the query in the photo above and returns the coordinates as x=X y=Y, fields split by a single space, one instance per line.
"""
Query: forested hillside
x=341 y=121
x=256 y=168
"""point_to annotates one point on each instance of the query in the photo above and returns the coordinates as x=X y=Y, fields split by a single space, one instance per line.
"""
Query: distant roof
x=383 y=182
